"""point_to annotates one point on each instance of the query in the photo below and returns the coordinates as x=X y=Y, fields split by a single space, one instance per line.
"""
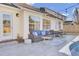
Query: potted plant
x=20 y=39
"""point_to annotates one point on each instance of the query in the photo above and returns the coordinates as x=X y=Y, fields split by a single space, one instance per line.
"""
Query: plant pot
x=20 y=40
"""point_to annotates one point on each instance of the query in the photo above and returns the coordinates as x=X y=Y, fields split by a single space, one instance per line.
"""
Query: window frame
x=35 y=24
x=48 y=25
x=11 y=19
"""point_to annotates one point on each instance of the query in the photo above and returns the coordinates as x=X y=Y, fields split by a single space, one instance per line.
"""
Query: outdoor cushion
x=40 y=32
x=35 y=33
x=47 y=32
x=43 y=33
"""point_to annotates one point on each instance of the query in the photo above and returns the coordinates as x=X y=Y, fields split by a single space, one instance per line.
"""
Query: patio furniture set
x=39 y=35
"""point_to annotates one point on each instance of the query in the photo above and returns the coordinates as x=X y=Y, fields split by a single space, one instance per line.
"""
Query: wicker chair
x=34 y=38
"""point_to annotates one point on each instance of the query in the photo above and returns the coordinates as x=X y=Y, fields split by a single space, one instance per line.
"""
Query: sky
x=60 y=7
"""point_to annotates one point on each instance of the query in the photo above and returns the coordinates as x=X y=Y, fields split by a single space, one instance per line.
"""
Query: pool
x=74 y=48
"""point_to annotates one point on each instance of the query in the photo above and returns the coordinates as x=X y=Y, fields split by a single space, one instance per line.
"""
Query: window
x=34 y=23
x=6 y=24
x=46 y=24
x=58 y=25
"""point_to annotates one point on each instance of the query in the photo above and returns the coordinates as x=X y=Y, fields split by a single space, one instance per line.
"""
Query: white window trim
x=35 y=27
x=6 y=34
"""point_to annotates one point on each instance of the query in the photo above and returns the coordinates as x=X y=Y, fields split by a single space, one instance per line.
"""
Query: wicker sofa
x=36 y=35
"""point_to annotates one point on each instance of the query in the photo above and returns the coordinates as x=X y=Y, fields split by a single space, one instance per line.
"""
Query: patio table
x=46 y=37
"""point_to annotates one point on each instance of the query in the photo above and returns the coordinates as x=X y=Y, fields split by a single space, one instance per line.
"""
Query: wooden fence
x=71 y=28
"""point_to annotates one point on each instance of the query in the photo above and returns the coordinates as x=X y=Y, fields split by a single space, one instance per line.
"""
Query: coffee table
x=46 y=37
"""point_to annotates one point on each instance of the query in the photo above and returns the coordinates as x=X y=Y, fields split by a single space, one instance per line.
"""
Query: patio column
x=1 y=28
x=26 y=26
x=41 y=23
x=52 y=23
x=62 y=25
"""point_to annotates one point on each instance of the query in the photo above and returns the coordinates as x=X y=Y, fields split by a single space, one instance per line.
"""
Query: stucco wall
x=28 y=13
x=20 y=24
x=16 y=27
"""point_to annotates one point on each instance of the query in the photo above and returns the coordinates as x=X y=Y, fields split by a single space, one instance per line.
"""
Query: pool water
x=74 y=48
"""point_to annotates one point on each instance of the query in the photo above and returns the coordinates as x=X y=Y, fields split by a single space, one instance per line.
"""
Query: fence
x=71 y=28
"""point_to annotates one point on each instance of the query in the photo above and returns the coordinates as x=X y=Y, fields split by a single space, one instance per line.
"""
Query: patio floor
x=43 y=48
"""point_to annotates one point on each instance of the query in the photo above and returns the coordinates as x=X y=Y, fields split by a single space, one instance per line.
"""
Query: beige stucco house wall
x=16 y=26
x=20 y=23
x=28 y=13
